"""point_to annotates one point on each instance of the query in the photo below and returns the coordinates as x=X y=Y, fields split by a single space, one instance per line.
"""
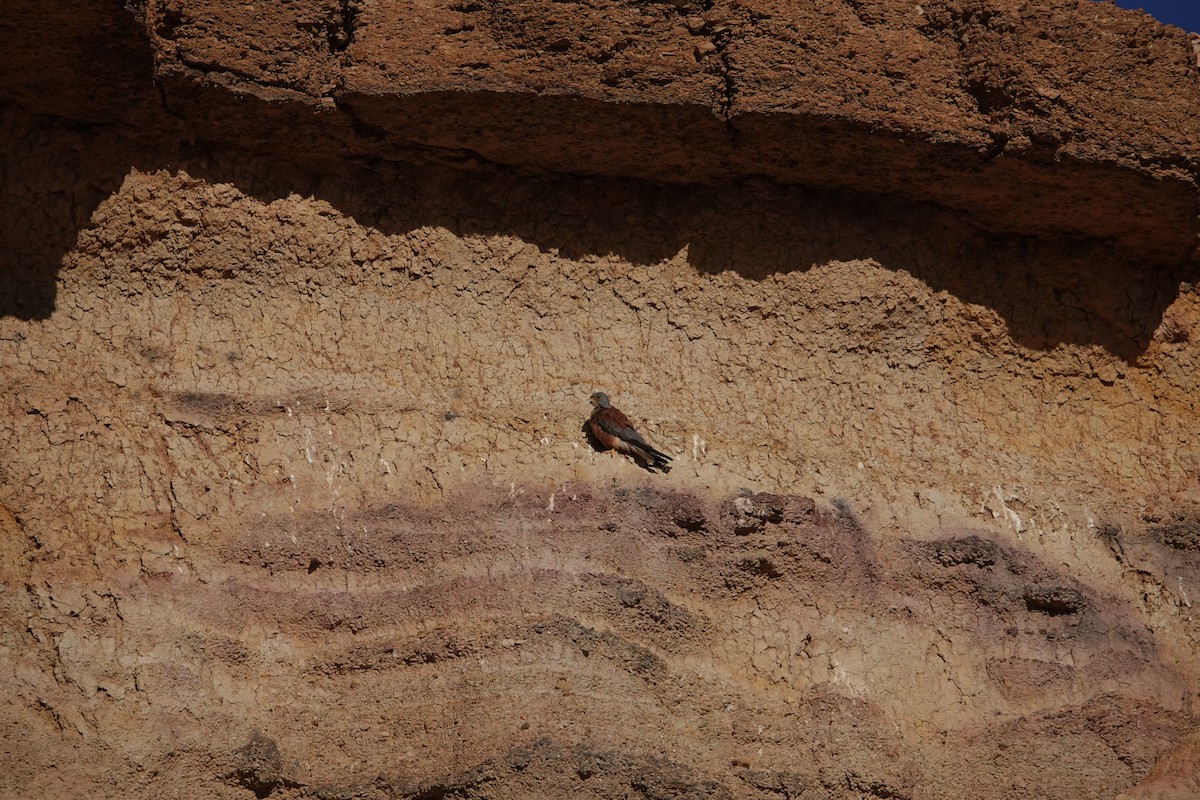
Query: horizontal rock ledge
x=1155 y=215
x=1056 y=119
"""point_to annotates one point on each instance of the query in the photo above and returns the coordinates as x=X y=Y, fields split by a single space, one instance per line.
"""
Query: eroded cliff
x=302 y=304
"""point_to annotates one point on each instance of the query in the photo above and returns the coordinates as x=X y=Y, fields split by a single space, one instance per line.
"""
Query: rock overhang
x=1054 y=119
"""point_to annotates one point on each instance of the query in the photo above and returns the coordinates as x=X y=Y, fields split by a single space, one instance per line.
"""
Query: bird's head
x=600 y=400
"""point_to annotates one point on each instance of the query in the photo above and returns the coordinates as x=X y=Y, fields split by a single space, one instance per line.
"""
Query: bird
x=613 y=429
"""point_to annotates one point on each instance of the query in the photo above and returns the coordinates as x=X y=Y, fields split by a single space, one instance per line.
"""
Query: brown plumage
x=614 y=430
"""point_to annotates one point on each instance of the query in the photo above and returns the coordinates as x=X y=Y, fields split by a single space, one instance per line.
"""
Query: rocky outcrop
x=1060 y=119
x=302 y=304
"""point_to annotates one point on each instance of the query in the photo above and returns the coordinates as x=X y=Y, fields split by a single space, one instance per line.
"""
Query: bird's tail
x=655 y=458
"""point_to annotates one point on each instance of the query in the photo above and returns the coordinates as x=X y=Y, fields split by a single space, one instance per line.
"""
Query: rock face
x=301 y=307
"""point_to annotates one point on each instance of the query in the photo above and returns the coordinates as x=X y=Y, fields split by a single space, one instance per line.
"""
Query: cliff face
x=302 y=304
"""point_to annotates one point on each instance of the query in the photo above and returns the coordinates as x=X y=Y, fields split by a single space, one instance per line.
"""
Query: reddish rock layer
x=634 y=639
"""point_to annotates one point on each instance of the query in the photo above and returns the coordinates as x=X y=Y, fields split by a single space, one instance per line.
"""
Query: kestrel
x=614 y=430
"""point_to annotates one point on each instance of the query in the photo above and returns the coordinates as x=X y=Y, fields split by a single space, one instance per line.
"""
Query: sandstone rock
x=301 y=305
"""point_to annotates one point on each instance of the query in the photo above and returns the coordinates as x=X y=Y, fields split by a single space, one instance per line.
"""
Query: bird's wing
x=614 y=423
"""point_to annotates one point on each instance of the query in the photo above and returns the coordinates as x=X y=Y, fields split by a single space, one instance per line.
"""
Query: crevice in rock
x=719 y=35
x=343 y=22
x=225 y=74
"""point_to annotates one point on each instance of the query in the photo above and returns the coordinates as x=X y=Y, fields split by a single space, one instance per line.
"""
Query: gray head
x=600 y=400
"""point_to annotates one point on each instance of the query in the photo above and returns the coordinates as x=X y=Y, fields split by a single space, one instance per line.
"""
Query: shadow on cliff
x=73 y=141
x=77 y=87
x=54 y=176
x=1048 y=292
